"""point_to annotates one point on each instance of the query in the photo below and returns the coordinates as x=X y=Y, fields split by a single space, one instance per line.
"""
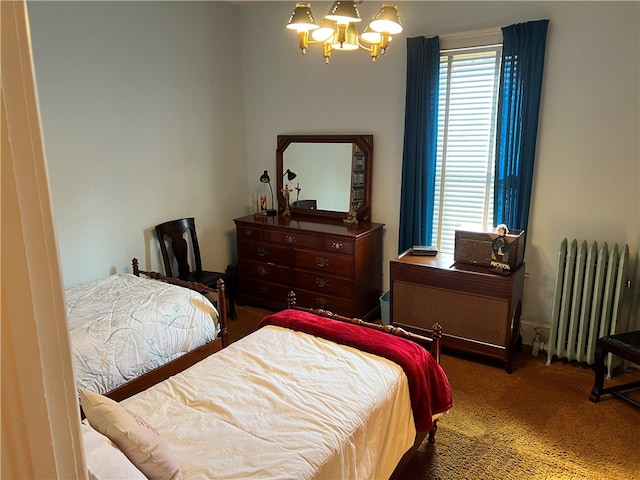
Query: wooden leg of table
x=508 y=365
x=599 y=370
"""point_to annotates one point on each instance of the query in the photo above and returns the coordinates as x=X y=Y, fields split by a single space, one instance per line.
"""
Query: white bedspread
x=281 y=404
x=123 y=326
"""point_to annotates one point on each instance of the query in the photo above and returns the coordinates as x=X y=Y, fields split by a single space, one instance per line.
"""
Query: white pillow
x=104 y=460
x=138 y=440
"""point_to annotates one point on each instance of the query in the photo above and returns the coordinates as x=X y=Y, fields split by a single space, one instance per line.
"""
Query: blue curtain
x=420 y=142
x=518 y=106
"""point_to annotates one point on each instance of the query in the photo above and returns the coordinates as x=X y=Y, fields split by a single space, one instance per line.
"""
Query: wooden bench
x=624 y=345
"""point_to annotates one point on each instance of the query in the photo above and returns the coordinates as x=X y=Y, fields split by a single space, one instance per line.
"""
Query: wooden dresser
x=474 y=305
x=327 y=264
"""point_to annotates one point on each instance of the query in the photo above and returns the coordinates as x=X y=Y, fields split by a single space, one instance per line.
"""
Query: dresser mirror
x=332 y=175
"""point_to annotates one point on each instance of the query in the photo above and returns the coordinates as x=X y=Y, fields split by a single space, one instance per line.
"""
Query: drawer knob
x=262 y=252
x=290 y=238
x=247 y=232
x=263 y=290
x=263 y=271
x=322 y=262
x=322 y=303
x=321 y=282
x=337 y=246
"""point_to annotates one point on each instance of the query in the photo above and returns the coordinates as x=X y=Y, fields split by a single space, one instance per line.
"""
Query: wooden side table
x=479 y=310
x=624 y=345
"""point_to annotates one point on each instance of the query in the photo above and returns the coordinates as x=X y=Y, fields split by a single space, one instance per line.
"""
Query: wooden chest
x=327 y=264
x=475 y=307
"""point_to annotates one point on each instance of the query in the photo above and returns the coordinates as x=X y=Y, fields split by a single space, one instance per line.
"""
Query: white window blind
x=469 y=80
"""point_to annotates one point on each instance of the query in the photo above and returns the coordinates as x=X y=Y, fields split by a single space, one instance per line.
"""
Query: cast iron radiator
x=590 y=288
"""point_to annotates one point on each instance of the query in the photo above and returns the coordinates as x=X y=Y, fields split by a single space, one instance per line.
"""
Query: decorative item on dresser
x=329 y=265
x=478 y=308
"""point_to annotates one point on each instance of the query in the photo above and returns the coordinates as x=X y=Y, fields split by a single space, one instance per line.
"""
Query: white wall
x=142 y=116
x=587 y=177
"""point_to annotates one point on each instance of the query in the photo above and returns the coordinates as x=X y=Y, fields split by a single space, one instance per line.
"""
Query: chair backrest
x=312 y=204
x=175 y=230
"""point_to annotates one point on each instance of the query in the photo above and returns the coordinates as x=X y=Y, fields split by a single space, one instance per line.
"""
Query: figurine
x=500 y=249
x=286 y=191
x=352 y=218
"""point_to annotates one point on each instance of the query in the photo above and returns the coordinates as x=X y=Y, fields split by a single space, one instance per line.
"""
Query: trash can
x=384 y=308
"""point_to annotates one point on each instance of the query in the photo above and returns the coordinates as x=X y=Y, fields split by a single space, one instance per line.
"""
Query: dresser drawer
x=341 y=306
x=269 y=293
x=338 y=245
x=263 y=271
x=263 y=252
x=249 y=233
x=323 y=283
x=326 y=262
x=293 y=239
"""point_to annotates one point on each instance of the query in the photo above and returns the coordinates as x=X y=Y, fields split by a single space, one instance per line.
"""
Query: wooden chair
x=312 y=204
x=176 y=231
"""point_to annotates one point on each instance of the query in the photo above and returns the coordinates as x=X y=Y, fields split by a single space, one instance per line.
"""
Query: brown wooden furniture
x=176 y=231
x=624 y=345
x=478 y=309
x=174 y=366
x=329 y=265
x=349 y=174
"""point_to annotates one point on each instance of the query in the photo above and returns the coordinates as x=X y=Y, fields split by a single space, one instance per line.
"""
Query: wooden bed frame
x=184 y=361
x=432 y=344
x=176 y=366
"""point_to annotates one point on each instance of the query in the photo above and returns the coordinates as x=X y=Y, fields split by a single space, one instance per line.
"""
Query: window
x=469 y=81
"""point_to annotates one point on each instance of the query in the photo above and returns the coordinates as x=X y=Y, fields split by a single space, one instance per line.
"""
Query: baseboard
x=528 y=333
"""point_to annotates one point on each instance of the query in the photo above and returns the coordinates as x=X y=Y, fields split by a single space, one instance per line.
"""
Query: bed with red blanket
x=309 y=395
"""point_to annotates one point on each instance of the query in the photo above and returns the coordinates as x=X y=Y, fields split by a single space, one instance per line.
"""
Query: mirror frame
x=364 y=142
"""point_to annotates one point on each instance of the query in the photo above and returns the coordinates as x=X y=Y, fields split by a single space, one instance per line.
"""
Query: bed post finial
x=136 y=269
x=437 y=330
x=435 y=348
x=291 y=299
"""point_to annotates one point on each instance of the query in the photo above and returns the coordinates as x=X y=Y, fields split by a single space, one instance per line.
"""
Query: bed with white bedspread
x=289 y=414
x=124 y=326
x=304 y=397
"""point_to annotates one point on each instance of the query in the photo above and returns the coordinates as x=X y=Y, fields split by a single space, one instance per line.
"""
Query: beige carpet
x=536 y=423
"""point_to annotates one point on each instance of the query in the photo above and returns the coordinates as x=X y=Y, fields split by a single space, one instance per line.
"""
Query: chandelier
x=337 y=29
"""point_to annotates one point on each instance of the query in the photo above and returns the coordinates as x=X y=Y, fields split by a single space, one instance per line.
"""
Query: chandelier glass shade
x=337 y=29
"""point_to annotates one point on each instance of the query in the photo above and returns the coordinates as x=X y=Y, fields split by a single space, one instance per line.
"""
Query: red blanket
x=428 y=384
